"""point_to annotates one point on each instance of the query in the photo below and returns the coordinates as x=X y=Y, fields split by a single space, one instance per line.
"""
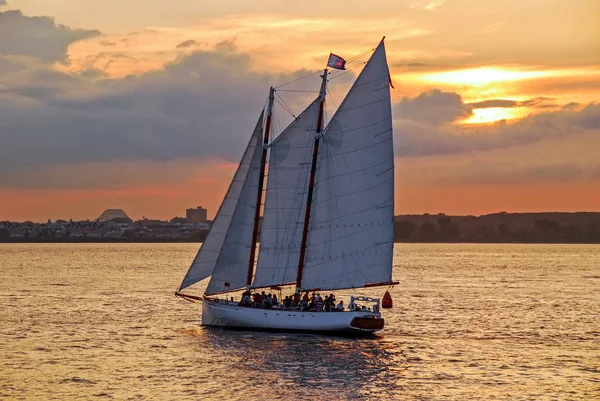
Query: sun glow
x=493 y=114
x=483 y=76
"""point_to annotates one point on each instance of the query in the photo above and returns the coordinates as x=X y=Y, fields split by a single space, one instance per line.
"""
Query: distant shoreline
x=184 y=241
x=496 y=228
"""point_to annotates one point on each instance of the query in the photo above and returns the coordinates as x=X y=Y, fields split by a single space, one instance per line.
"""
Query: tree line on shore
x=581 y=227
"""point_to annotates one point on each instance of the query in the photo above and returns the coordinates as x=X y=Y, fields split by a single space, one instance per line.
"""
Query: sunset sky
x=147 y=105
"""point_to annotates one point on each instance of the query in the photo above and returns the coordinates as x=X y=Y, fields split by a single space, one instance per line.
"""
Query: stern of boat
x=367 y=324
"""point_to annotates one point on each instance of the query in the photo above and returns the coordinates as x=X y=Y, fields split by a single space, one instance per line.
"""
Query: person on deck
x=328 y=302
x=304 y=301
x=340 y=306
x=319 y=303
x=246 y=300
x=256 y=299
x=267 y=303
x=296 y=298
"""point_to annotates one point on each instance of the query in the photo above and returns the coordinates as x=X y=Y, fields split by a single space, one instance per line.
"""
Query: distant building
x=110 y=214
x=198 y=215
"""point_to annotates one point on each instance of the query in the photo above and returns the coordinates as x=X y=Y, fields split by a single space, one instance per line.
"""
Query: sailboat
x=328 y=219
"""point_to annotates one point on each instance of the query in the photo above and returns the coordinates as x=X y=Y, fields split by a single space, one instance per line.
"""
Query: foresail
x=350 y=240
x=229 y=225
x=231 y=269
x=285 y=203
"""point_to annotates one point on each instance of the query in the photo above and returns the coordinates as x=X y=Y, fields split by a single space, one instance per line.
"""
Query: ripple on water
x=476 y=322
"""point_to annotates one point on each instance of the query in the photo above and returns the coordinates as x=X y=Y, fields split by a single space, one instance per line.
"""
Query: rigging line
x=350 y=66
x=319 y=71
x=298 y=79
x=360 y=55
x=352 y=63
x=293 y=90
x=285 y=107
x=332 y=98
x=348 y=70
x=284 y=104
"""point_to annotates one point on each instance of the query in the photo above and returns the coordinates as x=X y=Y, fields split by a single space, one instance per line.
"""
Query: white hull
x=226 y=314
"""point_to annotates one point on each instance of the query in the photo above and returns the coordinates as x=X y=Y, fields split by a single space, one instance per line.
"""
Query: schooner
x=328 y=219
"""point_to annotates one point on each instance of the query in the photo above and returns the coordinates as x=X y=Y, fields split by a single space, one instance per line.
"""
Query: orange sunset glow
x=147 y=107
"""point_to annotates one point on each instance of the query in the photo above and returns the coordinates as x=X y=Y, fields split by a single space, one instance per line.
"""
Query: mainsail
x=226 y=249
x=350 y=238
x=285 y=202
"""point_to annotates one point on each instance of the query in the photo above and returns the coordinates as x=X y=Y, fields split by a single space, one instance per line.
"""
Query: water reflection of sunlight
x=345 y=367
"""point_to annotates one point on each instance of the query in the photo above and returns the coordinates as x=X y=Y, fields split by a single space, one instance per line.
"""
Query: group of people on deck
x=306 y=303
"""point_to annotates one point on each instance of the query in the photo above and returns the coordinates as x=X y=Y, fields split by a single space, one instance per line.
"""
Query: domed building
x=110 y=214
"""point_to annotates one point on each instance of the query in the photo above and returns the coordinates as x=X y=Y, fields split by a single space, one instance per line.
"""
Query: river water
x=470 y=322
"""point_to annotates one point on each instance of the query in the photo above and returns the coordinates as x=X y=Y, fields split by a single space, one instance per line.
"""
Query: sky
x=147 y=106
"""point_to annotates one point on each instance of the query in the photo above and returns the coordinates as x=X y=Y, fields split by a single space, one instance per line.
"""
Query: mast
x=261 y=181
x=311 y=184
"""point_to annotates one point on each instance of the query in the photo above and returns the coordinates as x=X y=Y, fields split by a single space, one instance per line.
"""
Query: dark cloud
x=93 y=73
x=203 y=105
x=421 y=124
x=486 y=104
x=433 y=107
x=419 y=138
x=538 y=102
x=38 y=37
x=187 y=44
x=588 y=117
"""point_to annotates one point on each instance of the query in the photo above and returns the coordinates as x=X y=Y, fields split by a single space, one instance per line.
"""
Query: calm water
x=470 y=322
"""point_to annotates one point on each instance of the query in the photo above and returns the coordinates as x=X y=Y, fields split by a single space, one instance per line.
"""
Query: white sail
x=285 y=203
x=226 y=250
x=350 y=239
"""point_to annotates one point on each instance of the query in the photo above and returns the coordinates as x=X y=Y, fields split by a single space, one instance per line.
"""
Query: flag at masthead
x=336 y=62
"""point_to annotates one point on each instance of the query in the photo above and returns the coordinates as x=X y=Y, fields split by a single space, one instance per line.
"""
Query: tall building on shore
x=198 y=215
